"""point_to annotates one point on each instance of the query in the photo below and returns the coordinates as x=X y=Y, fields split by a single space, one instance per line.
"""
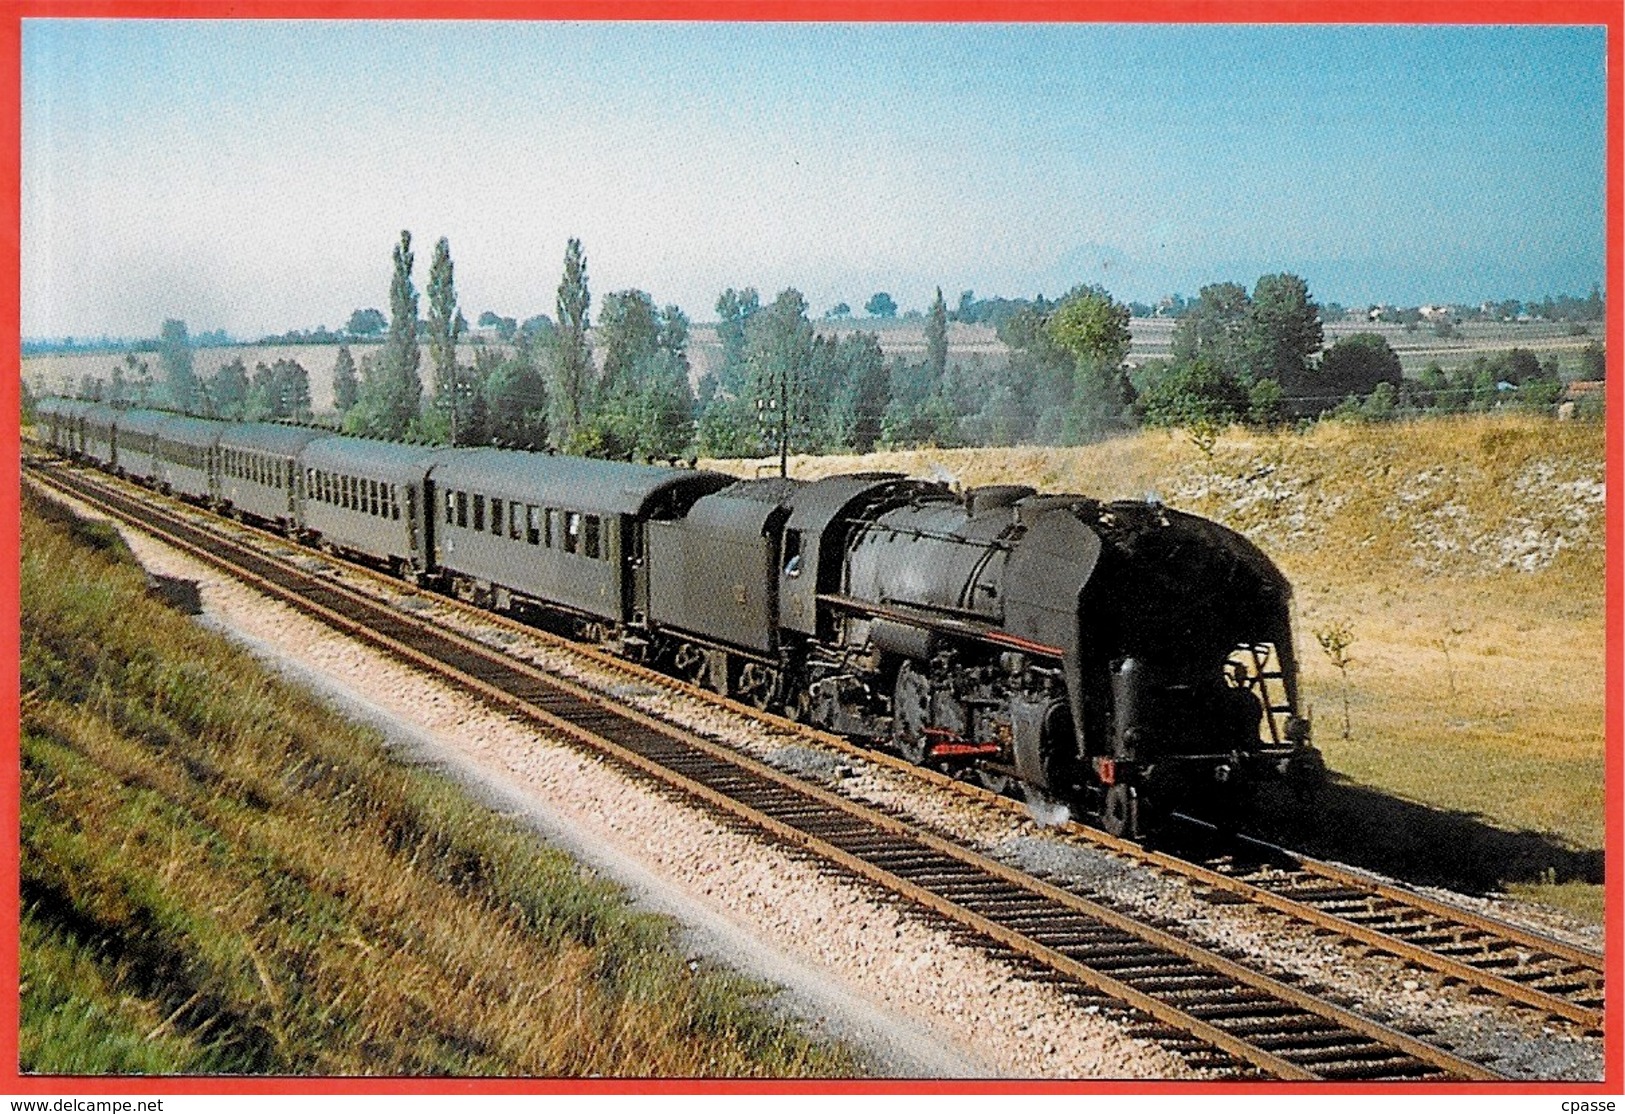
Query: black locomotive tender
x=1123 y=658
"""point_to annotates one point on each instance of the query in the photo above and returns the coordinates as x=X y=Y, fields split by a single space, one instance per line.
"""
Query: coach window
x=451 y=505
x=462 y=509
x=394 y=502
x=513 y=521
x=533 y=525
x=589 y=539
x=496 y=516
x=479 y=514
x=792 y=553
x=572 y=531
x=372 y=498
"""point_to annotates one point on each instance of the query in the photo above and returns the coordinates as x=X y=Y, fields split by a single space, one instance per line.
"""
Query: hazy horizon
x=252 y=177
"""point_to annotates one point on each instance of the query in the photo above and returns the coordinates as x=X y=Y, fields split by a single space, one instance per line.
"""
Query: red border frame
x=1568 y=12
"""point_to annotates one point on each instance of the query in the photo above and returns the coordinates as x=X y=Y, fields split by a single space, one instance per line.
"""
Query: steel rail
x=1455 y=918
x=905 y=833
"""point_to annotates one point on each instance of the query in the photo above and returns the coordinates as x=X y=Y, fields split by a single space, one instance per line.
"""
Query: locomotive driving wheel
x=911 y=710
x=758 y=684
x=1119 y=813
x=689 y=662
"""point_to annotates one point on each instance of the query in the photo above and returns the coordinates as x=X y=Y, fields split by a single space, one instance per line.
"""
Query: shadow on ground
x=1419 y=843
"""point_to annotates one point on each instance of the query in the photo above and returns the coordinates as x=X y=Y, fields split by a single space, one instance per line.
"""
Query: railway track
x=1217 y=1013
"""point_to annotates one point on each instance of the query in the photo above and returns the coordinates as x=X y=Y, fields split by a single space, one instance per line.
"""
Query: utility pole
x=784 y=423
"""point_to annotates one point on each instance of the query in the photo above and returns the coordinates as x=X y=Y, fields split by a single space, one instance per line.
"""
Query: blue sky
x=253 y=177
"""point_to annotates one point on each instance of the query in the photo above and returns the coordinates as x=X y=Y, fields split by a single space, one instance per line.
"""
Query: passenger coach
x=137 y=444
x=186 y=464
x=367 y=497
x=560 y=530
x=98 y=425
x=259 y=469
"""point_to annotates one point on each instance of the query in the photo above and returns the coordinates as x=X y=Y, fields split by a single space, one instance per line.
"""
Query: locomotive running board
x=928 y=620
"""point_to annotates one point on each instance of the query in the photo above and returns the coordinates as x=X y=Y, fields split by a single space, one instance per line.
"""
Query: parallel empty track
x=1216 y=1012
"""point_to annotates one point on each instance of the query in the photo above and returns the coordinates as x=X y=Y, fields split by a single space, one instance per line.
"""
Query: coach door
x=634 y=570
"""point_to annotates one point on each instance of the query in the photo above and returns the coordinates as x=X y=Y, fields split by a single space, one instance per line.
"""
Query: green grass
x=218 y=874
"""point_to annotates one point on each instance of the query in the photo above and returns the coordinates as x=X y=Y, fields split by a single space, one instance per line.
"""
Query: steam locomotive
x=1121 y=658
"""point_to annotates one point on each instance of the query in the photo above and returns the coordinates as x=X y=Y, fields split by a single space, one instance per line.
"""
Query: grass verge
x=221 y=875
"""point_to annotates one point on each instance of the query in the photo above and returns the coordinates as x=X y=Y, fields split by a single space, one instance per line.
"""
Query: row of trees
x=1237 y=355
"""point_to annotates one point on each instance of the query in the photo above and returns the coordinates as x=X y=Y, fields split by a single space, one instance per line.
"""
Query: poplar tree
x=936 y=339
x=345 y=387
x=175 y=353
x=394 y=392
x=572 y=365
x=446 y=323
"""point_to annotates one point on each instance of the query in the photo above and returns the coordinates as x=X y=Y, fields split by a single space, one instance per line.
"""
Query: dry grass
x=1466 y=556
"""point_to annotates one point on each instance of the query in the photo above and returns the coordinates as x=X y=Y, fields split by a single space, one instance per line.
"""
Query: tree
x=1215 y=326
x=1194 y=392
x=674 y=332
x=515 y=393
x=780 y=355
x=446 y=324
x=880 y=305
x=230 y=389
x=366 y=323
x=936 y=338
x=1352 y=366
x=727 y=418
x=118 y=390
x=1283 y=331
x=175 y=356
x=280 y=390
x=735 y=308
x=391 y=391
x=345 y=387
x=629 y=327
x=867 y=387
x=839 y=311
x=1593 y=362
x=572 y=364
x=1092 y=327
x=293 y=390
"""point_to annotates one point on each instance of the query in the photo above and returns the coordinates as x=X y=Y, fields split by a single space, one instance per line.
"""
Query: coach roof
x=567 y=481
x=379 y=460
x=268 y=437
x=142 y=421
x=197 y=432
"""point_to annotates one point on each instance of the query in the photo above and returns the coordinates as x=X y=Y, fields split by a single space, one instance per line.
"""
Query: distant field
x=1466 y=558
x=968 y=344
